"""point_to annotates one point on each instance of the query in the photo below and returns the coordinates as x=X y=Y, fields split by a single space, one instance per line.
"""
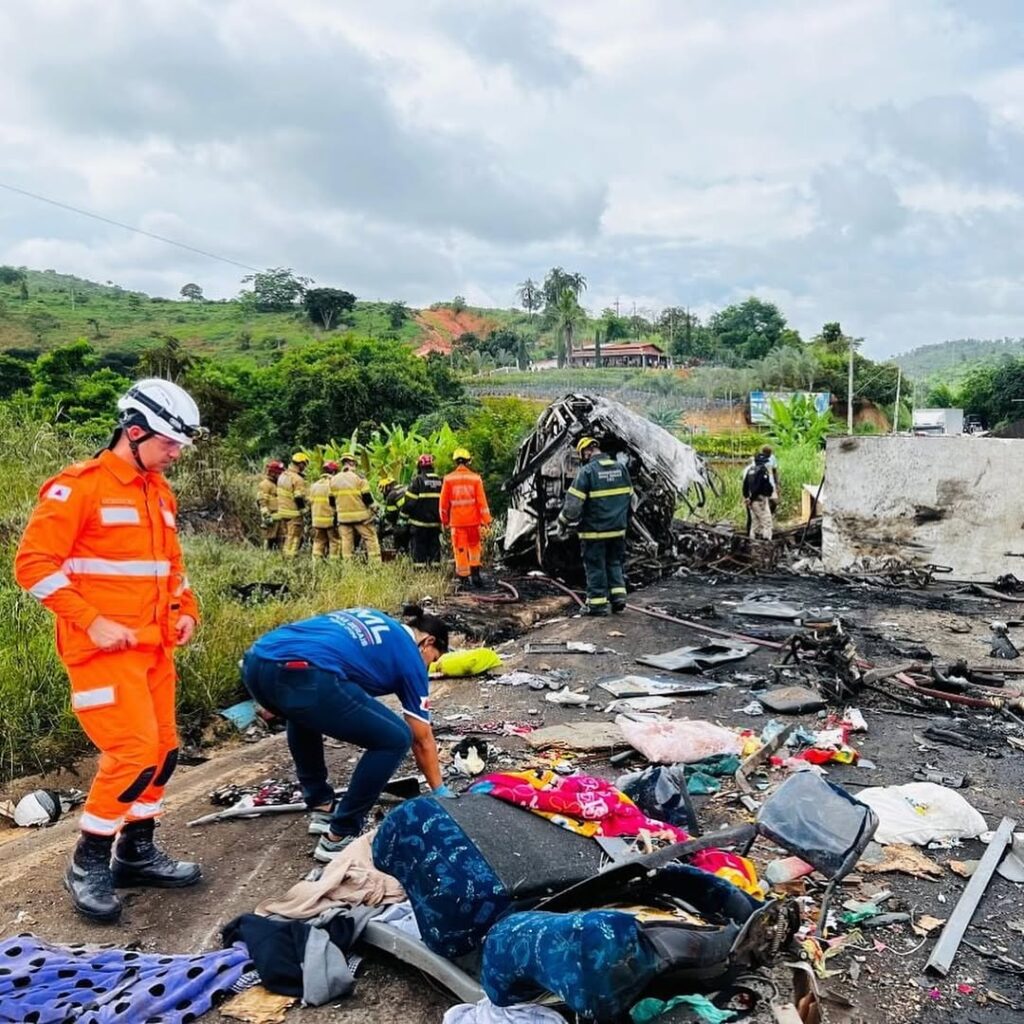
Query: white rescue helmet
x=166 y=408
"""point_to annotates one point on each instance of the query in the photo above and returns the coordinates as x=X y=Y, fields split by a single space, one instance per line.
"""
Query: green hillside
x=949 y=361
x=60 y=308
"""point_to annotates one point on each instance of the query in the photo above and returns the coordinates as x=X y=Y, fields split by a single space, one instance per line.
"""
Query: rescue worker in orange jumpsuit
x=101 y=552
x=266 y=502
x=323 y=516
x=463 y=509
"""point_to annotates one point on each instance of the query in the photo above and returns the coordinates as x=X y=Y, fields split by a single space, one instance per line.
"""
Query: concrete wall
x=953 y=501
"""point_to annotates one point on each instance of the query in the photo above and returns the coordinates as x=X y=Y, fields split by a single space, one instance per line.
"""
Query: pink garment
x=600 y=809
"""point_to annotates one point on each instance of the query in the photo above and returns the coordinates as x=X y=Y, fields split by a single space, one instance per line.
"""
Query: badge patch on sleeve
x=59 y=492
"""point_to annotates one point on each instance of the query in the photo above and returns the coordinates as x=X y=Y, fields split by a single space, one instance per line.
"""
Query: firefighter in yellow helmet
x=393 y=527
x=324 y=519
x=291 y=503
x=353 y=503
x=266 y=503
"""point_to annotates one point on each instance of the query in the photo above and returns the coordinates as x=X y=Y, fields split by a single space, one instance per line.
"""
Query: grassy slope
x=129 y=321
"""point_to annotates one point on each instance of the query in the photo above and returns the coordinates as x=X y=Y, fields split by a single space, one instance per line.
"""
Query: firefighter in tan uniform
x=323 y=518
x=291 y=503
x=101 y=552
x=266 y=502
x=353 y=504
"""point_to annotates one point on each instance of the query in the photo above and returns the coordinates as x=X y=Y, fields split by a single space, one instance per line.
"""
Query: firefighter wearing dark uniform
x=597 y=504
x=421 y=507
x=392 y=528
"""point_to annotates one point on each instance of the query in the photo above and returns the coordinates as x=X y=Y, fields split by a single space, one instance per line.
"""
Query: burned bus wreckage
x=665 y=473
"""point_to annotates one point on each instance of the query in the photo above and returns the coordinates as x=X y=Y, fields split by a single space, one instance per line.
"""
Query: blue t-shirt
x=362 y=645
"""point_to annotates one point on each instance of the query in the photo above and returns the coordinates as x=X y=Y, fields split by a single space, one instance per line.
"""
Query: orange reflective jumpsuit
x=103 y=541
x=464 y=509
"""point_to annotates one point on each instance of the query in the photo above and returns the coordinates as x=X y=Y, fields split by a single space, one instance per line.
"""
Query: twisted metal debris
x=665 y=473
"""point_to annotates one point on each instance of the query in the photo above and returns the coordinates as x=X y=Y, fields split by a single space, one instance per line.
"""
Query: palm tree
x=567 y=315
x=530 y=295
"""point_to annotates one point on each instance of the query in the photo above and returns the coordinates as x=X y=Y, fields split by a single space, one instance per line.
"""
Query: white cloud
x=858 y=161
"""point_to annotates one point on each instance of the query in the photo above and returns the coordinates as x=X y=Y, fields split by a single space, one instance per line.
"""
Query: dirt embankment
x=444 y=327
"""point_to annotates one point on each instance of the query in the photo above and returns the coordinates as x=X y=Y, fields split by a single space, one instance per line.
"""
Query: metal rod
x=952 y=935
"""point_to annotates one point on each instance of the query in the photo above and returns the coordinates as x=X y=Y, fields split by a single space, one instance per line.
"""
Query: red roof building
x=638 y=354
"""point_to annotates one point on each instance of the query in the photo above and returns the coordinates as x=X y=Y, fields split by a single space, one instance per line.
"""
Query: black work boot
x=475 y=578
x=599 y=611
x=138 y=861
x=88 y=879
x=618 y=607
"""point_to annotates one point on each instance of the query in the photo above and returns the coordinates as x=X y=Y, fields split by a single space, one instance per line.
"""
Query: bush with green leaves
x=796 y=422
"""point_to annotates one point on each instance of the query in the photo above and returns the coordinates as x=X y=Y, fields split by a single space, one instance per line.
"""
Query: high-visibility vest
x=322 y=515
x=463 y=502
x=290 y=486
x=351 y=497
x=266 y=496
x=103 y=540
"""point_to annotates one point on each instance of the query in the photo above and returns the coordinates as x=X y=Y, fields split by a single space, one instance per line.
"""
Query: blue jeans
x=315 y=704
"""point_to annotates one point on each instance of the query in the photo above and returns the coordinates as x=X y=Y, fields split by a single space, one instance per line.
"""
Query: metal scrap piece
x=952 y=935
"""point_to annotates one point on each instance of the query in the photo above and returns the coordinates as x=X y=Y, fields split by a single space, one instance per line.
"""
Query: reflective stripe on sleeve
x=576 y=493
x=98 y=698
x=97 y=825
x=609 y=492
x=49 y=585
x=114 y=567
x=605 y=535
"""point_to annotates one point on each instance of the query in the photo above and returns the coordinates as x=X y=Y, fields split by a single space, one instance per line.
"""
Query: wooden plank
x=949 y=941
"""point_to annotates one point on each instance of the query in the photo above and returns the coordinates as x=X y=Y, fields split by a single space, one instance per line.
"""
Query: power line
x=128 y=227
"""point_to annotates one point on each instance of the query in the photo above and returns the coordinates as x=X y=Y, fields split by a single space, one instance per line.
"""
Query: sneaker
x=327 y=849
x=319 y=822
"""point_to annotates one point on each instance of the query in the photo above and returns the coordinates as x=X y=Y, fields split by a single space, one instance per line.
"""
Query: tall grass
x=37 y=729
x=797 y=466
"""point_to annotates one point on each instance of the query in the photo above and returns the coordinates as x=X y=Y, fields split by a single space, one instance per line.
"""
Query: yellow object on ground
x=473 y=662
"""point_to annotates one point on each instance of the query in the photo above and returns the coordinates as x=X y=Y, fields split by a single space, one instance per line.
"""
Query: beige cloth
x=349 y=879
x=760 y=519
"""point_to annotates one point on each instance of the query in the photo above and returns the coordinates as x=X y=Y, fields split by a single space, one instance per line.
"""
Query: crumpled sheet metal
x=665 y=471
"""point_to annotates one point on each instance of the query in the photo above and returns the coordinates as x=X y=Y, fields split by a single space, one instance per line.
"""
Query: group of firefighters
x=101 y=552
x=340 y=511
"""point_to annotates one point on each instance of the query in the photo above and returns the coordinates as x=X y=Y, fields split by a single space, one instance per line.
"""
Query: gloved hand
x=267 y=520
x=558 y=531
x=444 y=792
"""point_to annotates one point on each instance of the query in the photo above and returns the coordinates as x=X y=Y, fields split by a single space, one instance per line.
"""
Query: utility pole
x=849 y=393
x=616 y=305
x=896 y=407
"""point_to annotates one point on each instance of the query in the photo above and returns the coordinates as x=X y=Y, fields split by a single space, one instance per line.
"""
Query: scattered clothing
x=648 y=1010
x=43 y=983
x=400 y=916
x=350 y=879
x=580 y=803
x=485 y=1012
x=302 y=958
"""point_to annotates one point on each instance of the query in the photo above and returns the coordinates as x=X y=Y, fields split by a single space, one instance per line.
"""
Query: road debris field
x=727 y=710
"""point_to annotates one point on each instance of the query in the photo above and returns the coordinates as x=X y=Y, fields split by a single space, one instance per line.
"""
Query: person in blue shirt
x=322 y=676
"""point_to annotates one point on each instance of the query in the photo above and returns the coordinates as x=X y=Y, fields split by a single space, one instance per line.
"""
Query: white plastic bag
x=678 y=741
x=921 y=813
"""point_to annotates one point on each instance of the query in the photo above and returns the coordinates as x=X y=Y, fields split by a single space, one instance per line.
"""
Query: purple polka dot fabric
x=43 y=983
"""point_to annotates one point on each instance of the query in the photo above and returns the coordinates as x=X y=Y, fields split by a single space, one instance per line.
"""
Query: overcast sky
x=860 y=161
